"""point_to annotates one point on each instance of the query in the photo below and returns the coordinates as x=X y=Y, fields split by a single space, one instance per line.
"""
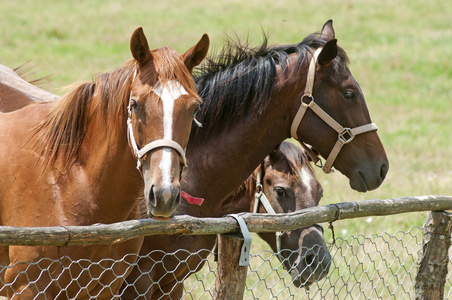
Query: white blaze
x=306 y=179
x=171 y=91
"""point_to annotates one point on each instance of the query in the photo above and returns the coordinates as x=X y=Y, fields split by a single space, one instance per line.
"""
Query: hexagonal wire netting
x=379 y=266
x=363 y=267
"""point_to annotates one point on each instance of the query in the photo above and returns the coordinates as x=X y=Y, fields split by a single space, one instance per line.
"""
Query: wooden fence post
x=230 y=280
x=434 y=258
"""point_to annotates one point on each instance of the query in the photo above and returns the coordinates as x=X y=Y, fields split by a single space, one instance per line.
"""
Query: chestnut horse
x=74 y=162
x=285 y=182
x=252 y=100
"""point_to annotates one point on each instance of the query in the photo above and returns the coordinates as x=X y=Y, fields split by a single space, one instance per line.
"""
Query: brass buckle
x=346 y=135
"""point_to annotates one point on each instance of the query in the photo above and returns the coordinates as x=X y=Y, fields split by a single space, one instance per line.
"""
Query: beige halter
x=345 y=135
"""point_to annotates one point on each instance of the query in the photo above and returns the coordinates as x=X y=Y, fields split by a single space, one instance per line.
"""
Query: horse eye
x=349 y=95
x=134 y=104
x=280 y=192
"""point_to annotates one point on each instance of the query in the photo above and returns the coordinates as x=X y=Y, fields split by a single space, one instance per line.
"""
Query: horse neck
x=106 y=158
x=241 y=200
x=219 y=164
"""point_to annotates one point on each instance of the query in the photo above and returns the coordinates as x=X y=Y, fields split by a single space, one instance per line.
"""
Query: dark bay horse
x=285 y=182
x=74 y=162
x=252 y=96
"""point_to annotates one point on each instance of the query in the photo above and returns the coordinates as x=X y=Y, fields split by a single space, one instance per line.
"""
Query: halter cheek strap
x=161 y=143
x=259 y=197
x=345 y=134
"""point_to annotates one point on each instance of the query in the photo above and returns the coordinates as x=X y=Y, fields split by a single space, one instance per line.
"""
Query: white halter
x=260 y=198
x=161 y=143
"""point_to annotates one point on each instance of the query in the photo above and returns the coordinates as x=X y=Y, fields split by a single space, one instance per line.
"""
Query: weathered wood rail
x=230 y=279
x=120 y=232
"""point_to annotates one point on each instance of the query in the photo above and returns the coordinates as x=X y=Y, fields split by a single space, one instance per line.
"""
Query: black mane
x=240 y=78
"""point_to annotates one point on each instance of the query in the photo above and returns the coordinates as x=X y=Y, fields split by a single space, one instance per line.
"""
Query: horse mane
x=295 y=157
x=240 y=78
x=62 y=132
x=60 y=135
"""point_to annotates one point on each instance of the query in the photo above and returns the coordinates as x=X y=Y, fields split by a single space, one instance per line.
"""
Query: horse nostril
x=152 y=197
x=177 y=199
x=309 y=259
x=383 y=171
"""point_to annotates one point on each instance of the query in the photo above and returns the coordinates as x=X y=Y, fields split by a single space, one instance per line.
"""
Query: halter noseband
x=161 y=143
x=345 y=134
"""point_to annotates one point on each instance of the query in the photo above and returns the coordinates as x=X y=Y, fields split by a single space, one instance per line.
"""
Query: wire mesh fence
x=378 y=266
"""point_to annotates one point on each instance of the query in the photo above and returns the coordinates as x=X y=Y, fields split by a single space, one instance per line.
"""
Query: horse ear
x=197 y=53
x=328 y=30
x=139 y=46
x=329 y=52
x=274 y=152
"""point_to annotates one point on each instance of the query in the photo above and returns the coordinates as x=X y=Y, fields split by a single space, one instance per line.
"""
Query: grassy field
x=401 y=54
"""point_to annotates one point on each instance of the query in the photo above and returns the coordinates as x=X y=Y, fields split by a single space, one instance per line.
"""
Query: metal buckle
x=307 y=96
x=346 y=135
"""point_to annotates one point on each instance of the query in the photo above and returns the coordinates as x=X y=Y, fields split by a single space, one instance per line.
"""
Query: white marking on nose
x=169 y=92
x=166 y=194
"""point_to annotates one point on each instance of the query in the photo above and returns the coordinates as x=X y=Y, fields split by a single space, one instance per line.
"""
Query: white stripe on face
x=171 y=91
x=306 y=178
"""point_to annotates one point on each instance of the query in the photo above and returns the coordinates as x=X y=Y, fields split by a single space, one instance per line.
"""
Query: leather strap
x=345 y=135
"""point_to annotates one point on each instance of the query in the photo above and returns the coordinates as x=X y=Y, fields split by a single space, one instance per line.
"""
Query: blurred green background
x=400 y=51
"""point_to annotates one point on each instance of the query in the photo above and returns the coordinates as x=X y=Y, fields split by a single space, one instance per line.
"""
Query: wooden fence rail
x=120 y=232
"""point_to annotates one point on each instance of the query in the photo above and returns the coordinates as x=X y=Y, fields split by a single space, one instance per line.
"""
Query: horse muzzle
x=162 y=201
x=311 y=265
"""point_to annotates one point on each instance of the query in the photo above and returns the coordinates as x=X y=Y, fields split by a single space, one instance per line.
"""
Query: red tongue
x=191 y=199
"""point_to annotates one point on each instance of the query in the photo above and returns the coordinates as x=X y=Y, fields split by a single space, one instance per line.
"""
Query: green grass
x=400 y=51
x=401 y=54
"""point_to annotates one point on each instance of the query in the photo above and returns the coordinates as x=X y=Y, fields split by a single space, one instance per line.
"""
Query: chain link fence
x=379 y=266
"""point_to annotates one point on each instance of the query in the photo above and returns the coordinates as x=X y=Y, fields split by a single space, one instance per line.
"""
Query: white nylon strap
x=259 y=196
x=162 y=143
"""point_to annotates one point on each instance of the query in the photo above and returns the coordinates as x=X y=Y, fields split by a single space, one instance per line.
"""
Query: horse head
x=333 y=105
x=162 y=105
x=289 y=184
